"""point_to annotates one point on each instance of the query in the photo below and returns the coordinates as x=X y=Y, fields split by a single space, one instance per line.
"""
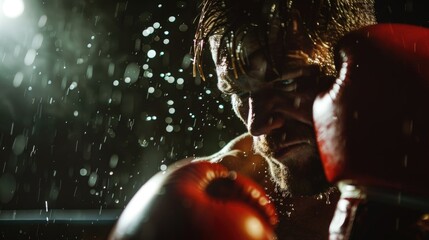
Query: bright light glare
x=13 y=8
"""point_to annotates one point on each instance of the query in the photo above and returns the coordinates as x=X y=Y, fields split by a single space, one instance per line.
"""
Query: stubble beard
x=300 y=174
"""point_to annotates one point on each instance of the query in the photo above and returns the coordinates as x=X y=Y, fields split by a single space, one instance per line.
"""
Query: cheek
x=240 y=108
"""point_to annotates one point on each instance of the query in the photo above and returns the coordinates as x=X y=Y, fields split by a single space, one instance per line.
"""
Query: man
x=273 y=58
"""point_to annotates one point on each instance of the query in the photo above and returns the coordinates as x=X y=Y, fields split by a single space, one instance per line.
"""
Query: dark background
x=92 y=117
x=75 y=133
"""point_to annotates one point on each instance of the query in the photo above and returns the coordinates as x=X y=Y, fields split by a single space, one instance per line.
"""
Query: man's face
x=275 y=104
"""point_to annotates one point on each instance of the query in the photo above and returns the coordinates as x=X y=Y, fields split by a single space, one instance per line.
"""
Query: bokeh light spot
x=151 y=53
x=17 y=80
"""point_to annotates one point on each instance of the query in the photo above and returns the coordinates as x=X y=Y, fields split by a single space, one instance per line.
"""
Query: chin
x=299 y=172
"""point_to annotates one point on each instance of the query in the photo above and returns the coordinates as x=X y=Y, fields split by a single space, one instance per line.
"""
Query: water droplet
x=83 y=172
x=17 y=80
x=183 y=27
x=73 y=85
x=169 y=128
x=89 y=71
x=132 y=72
x=180 y=81
x=143 y=142
x=30 y=57
x=172 y=19
x=114 y=159
x=328 y=201
x=19 y=144
x=37 y=41
x=92 y=180
x=168 y=120
x=42 y=21
x=151 y=53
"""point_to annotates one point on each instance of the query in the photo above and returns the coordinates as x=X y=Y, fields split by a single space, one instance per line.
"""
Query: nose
x=262 y=117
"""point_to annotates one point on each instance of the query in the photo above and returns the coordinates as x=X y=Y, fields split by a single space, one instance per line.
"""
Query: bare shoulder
x=238 y=155
x=239 y=146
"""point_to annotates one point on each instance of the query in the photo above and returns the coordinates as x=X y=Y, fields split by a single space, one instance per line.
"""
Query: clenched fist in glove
x=199 y=200
x=372 y=126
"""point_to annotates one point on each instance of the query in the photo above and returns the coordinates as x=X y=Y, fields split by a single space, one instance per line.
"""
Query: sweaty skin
x=301 y=217
x=275 y=104
x=279 y=151
x=273 y=58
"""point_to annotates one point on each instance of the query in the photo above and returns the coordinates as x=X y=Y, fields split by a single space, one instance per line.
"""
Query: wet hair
x=324 y=22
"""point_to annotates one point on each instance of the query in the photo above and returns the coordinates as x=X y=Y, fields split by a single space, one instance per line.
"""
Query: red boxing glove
x=372 y=127
x=199 y=200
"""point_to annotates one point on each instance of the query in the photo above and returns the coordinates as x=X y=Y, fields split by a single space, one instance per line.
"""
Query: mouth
x=285 y=148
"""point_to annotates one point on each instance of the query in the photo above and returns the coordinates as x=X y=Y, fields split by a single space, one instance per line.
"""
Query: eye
x=287 y=85
x=287 y=81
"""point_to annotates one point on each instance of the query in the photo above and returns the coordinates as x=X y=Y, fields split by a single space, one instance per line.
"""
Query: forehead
x=279 y=43
x=224 y=69
x=282 y=49
x=256 y=70
x=324 y=22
